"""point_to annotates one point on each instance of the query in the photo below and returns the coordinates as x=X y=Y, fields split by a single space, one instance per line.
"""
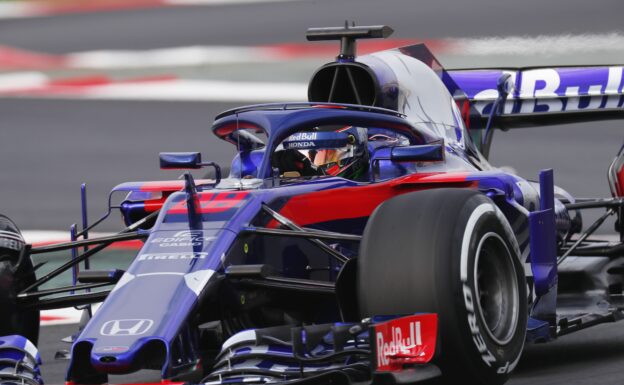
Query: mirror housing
x=186 y=161
x=421 y=153
x=180 y=160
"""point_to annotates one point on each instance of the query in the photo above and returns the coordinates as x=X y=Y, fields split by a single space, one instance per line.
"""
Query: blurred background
x=91 y=91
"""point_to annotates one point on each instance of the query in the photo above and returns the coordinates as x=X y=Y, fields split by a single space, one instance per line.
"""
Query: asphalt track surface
x=48 y=147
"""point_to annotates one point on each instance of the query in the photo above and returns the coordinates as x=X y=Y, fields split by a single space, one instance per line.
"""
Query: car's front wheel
x=450 y=252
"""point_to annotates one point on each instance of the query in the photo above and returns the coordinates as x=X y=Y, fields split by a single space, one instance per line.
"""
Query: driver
x=341 y=153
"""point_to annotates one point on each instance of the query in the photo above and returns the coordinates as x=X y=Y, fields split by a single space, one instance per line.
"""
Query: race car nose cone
x=124 y=359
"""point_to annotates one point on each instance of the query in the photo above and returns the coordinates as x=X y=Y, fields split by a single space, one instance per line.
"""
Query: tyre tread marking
x=476 y=214
x=472 y=221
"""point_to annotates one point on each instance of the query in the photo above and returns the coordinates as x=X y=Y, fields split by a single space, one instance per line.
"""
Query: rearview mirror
x=420 y=153
x=180 y=160
x=186 y=161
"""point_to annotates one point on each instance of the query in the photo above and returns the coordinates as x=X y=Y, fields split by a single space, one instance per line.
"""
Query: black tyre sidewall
x=410 y=262
x=488 y=362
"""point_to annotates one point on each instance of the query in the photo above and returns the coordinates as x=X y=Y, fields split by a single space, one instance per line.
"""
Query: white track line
x=200 y=90
x=14 y=9
x=168 y=57
x=540 y=45
x=29 y=84
x=22 y=80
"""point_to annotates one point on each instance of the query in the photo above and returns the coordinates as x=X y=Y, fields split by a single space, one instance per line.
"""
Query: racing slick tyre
x=15 y=275
x=450 y=252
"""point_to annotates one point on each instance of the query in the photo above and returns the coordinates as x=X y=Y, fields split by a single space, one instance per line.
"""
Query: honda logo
x=126 y=327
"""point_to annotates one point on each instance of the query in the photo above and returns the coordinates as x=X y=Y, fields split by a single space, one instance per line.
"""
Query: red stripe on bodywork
x=360 y=201
x=170 y=185
x=211 y=203
x=443 y=177
x=154 y=204
x=228 y=128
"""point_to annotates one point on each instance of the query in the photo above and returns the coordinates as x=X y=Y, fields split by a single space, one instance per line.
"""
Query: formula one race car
x=361 y=237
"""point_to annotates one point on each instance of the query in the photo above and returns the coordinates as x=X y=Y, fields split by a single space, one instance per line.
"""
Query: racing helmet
x=342 y=152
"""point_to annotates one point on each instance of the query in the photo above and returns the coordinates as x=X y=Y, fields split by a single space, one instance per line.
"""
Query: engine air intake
x=351 y=83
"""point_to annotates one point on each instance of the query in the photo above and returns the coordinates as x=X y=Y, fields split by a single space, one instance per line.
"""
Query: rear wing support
x=543 y=236
x=504 y=86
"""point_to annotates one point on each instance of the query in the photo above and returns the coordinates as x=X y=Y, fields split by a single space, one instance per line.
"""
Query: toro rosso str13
x=361 y=237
